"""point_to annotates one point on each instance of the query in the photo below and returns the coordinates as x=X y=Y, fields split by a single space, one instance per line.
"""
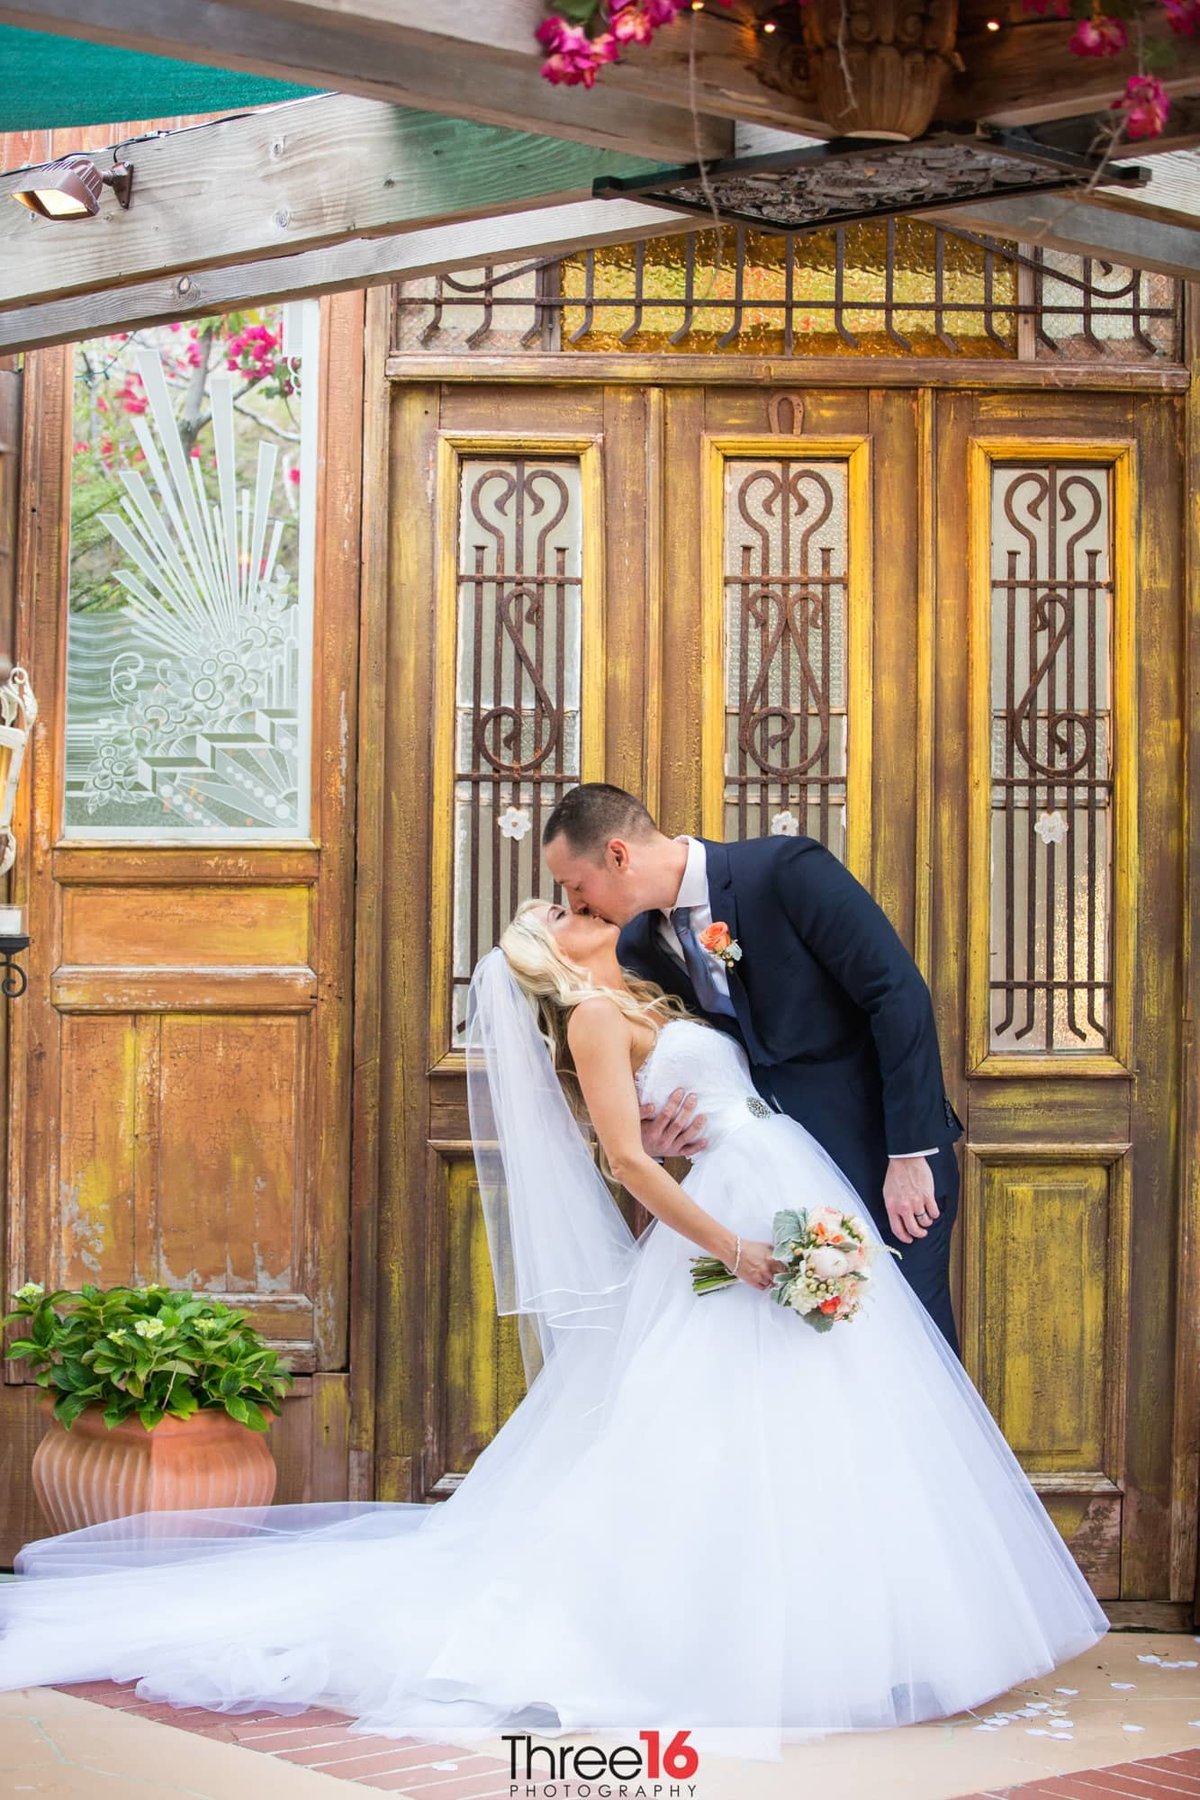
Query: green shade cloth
x=46 y=80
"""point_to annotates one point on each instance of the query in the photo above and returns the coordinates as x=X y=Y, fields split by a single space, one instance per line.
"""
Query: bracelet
x=737 y=1259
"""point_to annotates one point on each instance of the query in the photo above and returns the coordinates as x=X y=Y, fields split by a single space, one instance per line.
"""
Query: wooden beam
x=364 y=262
x=1114 y=230
x=286 y=179
x=1026 y=74
x=356 y=55
x=436 y=53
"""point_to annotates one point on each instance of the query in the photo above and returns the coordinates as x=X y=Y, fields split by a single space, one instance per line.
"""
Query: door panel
x=180 y=1096
x=1059 y=869
x=804 y=618
x=535 y=651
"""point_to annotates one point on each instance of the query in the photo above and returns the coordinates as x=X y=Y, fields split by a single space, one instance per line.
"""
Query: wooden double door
x=941 y=630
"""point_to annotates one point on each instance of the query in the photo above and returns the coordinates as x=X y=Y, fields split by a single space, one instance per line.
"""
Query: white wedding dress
x=764 y=1533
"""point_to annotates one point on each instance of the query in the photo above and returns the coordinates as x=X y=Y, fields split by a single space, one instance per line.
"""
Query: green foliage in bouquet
x=155 y=1352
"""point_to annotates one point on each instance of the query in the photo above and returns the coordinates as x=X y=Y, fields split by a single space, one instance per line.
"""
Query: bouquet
x=828 y=1254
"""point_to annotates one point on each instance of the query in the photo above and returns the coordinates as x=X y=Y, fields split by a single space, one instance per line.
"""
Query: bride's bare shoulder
x=598 y=1030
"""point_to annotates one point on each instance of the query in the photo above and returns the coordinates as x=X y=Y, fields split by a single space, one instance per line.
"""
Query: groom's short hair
x=589 y=815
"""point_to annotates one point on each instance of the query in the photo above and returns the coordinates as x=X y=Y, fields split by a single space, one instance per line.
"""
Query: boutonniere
x=716 y=940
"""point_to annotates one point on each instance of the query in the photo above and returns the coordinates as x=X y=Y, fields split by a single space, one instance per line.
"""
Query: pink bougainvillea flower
x=632 y=24
x=576 y=58
x=1099 y=36
x=1060 y=8
x=1183 y=16
x=1145 y=104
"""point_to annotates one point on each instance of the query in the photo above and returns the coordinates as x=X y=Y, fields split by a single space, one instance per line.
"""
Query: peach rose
x=715 y=937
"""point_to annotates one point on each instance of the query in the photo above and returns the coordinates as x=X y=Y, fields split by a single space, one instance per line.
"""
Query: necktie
x=698 y=965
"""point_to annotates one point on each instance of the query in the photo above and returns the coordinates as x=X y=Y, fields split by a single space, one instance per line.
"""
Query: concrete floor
x=1119 y=1702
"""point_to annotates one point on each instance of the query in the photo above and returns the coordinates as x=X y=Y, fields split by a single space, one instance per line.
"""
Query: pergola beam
x=350 y=52
x=287 y=179
x=482 y=62
x=364 y=262
x=1112 y=230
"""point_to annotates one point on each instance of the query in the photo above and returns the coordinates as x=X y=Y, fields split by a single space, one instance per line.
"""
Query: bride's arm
x=600 y=1040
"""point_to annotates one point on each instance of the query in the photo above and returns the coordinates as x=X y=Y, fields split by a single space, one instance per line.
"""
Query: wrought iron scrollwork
x=1052 y=780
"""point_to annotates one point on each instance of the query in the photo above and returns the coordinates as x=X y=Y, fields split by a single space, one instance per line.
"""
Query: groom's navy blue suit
x=837 y=1022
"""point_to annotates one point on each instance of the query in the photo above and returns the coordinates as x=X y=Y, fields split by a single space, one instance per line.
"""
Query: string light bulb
x=769 y=27
x=993 y=24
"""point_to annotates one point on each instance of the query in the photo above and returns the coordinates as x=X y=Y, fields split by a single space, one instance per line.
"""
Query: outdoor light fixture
x=71 y=188
x=837 y=183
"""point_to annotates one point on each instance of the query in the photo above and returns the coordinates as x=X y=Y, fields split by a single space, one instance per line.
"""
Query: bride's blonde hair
x=556 y=986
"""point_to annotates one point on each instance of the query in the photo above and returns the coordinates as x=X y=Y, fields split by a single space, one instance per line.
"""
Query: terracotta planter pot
x=898 y=53
x=89 y=1473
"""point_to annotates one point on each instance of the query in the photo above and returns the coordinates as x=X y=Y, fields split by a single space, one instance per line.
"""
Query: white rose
x=827 y=1264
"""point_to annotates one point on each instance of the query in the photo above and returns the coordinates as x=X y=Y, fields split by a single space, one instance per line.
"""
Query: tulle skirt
x=759 y=1533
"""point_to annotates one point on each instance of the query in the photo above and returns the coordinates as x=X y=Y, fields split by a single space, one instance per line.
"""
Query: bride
x=703 y=1516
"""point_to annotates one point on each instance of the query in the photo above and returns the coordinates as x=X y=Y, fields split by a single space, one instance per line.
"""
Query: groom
x=833 y=1012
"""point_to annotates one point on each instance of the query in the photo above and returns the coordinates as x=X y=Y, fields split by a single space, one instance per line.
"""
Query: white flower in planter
x=1051 y=828
x=785 y=824
x=514 y=823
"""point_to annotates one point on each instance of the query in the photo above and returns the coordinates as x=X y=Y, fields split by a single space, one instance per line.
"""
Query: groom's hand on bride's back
x=675 y=1128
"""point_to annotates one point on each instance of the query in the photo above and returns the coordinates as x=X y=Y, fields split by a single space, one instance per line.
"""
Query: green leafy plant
x=155 y=1352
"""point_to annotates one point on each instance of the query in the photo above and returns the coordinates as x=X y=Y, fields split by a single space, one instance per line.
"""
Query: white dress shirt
x=693 y=893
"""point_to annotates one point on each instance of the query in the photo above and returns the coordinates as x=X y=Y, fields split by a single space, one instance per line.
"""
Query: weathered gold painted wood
x=681 y=801
x=271 y=988
x=267 y=192
x=1044 y=1229
x=1185 y=1481
x=803 y=373
x=621 y=695
x=76 y=864
x=366 y=1173
x=219 y=925
x=890 y=758
x=1097 y=1112
x=657 y=474
x=1155 y=1429
x=925 y=717
x=409 y=899
x=483 y=1378
x=22 y=1424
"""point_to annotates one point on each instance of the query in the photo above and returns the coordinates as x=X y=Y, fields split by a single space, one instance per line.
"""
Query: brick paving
x=321 y=1740
x=1172 y=1777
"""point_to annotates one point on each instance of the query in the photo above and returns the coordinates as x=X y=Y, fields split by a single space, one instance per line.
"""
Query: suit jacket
x=834 y=1014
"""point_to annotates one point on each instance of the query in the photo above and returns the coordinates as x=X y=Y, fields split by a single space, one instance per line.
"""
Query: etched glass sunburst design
x=189 y=656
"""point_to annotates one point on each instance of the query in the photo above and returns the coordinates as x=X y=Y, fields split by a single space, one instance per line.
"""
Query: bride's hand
x=759 y=1264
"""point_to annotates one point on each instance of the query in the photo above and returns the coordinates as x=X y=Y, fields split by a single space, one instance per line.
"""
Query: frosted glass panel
x=786 y=552
x=1051 y=758
x=189 y=647
x=517 y=703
